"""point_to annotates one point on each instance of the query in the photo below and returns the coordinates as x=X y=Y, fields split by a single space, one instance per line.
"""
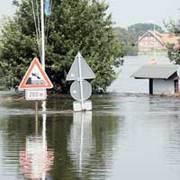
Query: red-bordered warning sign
x=35 y=77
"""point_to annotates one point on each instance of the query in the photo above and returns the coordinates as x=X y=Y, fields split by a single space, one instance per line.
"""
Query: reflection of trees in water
x=13 y=131
x=99 y=137
x=98 y=149
x=58 y=130
x=18 y=150
x=105 y=133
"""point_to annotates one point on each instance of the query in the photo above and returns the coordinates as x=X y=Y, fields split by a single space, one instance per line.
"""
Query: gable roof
x=156 y=71
x=155 y=34
x=163 y=39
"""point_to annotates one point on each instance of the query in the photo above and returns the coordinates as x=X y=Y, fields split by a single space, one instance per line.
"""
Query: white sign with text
x=35 y=94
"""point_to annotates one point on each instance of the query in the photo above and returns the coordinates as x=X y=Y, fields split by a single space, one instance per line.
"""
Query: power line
x=38 y=17
x=35 y=23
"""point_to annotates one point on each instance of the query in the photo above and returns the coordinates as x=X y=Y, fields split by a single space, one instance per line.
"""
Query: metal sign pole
x=43 y=46
x=43 y=65
x=36 y=117
x=42 y=36
x=81 y=142
x=80 y=80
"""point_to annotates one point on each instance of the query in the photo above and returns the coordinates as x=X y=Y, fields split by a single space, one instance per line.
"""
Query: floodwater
x=126 y=136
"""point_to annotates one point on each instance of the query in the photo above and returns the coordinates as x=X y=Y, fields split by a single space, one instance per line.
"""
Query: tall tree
x=127 y=39
x=81 y=25
x=174 y=49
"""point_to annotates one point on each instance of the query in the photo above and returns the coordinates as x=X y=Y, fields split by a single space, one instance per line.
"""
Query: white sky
x=128 y=12
x=6 y=7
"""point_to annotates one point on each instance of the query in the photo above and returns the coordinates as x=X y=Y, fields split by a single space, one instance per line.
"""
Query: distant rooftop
x=163 y=38
x=156 y=71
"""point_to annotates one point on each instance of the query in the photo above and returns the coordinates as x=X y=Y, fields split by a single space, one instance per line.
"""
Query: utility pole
x=42 y=36
x=43 y=46
x=44 y=67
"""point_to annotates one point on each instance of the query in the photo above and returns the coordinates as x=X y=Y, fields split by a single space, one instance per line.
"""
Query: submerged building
x=163 y=79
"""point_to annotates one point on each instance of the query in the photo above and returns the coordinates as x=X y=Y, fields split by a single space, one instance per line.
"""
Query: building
x=153 y=40
x=163 y=79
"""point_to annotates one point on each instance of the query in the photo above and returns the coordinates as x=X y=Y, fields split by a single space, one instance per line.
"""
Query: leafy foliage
x=127 y=39
x=73 y=26
x=174 y=49
x=174 y=53
x=173 y=27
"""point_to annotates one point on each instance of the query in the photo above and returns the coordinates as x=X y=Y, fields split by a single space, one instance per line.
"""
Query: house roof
x=163 y=38
x=156 y=36
x=156 y=71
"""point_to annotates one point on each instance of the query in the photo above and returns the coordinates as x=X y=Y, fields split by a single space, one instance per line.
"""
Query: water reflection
x=92 y=142
x=80 y=142
x=127 y=136
x=36 y=159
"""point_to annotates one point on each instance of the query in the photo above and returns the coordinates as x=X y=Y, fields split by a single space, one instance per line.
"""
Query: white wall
x=163 y=86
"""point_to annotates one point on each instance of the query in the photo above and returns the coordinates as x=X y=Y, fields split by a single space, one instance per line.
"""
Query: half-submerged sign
x=35 y=82
x=81 y=89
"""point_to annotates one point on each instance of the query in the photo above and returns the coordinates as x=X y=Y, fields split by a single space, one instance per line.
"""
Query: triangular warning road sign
x=80 y=67
x=35 y=77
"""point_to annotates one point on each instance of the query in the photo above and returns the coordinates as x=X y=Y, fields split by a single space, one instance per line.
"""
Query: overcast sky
x=128 y=12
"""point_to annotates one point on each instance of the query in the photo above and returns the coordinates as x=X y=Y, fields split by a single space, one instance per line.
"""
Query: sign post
x=80 y=79
x=80 y=89
x=43 y=46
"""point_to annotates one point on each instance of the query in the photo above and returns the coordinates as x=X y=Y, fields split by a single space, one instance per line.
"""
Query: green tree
x=127 y=39
x=174 y=49
x=81 y=25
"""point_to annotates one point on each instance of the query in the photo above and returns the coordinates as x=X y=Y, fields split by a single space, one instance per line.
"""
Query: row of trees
x=174 y=50
x=81 y=25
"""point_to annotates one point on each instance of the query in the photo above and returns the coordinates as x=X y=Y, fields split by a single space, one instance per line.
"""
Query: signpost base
x=77 y=106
